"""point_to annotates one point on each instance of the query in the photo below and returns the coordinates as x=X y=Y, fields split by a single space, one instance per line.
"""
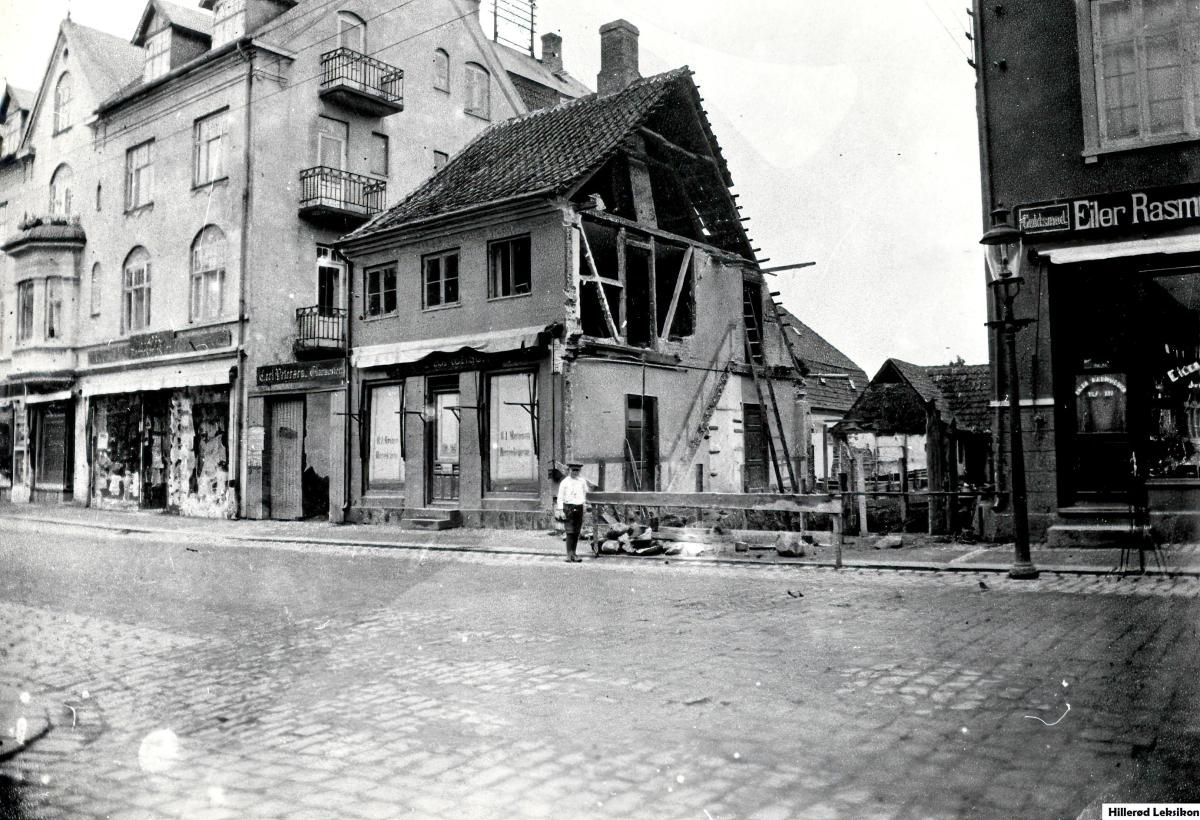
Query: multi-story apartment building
x=576 y=285
x=171 y=210
x=1089 y=123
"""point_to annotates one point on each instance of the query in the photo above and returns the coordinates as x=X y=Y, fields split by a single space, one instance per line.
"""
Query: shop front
x=1124 y=369
x=457 y=433
x=37 y=436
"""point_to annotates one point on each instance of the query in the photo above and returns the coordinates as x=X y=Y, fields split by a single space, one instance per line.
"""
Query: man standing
x=572 y=498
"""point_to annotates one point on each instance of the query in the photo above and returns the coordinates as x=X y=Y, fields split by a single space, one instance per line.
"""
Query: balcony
x=339 y=198
x=361 y=83
x=320 y=331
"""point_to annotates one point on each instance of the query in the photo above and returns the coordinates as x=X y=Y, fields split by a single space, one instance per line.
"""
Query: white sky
x=848 y=126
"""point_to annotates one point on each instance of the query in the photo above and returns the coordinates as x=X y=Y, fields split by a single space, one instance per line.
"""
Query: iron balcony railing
x=346 y=67
x=341 y=190
x=320 y=328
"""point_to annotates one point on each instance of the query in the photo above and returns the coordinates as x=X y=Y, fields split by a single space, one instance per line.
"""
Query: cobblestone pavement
x=180 y=679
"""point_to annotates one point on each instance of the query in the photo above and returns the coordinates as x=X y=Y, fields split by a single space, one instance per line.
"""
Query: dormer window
x=158 y=55
x=229 y=21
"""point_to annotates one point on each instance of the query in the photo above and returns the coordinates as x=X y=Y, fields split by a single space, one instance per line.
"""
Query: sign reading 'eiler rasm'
x=1153 y=208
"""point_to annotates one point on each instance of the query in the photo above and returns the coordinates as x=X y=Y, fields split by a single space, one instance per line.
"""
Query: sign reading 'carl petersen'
x=326 y=371
x=1176 y=206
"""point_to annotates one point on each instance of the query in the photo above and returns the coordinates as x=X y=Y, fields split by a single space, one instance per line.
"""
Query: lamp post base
x=1023 y=571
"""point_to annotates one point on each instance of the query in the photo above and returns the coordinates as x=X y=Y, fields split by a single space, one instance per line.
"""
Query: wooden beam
x=659 y=139
x=679 y=280
x=599 y=283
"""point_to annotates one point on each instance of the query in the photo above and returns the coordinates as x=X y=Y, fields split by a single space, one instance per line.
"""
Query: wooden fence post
x=860 y=489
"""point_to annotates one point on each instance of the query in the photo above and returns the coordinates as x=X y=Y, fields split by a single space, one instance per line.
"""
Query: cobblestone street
x=196 y=679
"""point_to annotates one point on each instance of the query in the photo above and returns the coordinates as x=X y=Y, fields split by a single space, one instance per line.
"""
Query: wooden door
x=286 y=449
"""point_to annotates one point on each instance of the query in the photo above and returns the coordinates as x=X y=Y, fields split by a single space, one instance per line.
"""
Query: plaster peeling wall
x=198 y=481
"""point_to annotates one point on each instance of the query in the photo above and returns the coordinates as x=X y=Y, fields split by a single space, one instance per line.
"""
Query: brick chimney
x=552 y=51
x=618 y=57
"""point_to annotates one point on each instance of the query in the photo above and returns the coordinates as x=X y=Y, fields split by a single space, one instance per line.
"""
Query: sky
x=848 y=127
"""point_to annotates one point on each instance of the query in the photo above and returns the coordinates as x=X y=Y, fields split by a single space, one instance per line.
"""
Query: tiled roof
x=539 y=153
x=109 y=63
x=967 y=391
x=819 y=356
x=521 y=64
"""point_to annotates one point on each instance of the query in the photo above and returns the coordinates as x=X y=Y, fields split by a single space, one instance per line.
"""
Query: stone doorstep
x=1105 y=536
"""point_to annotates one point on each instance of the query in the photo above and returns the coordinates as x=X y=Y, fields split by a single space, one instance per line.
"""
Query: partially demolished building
x=576 y=285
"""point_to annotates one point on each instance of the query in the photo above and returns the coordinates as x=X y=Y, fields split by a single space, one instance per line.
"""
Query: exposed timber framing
x=680 y=278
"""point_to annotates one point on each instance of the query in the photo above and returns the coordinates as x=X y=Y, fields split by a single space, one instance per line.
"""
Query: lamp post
x=1003 y=244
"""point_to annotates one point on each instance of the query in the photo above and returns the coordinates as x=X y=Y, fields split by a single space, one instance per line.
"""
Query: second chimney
x=552 y=51
x=618 y=57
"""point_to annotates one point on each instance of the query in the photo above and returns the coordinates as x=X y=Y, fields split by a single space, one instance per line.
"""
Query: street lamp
x=1003 y=245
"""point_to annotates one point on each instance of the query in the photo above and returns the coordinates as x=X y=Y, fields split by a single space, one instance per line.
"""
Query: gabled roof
x=196 y=21
x=957 y=392
x=14 y=97
x=108 y=62
x=820 y=357
x=552 y=151
x=521 y=64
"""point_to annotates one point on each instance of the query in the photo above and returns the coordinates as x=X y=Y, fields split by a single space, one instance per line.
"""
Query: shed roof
x=958 y=392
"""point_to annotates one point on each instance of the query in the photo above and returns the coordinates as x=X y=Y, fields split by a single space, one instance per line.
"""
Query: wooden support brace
x=679 y=280
x=596 y=279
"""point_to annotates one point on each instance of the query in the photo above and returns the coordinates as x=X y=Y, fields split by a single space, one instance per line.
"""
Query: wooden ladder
x=754 y=355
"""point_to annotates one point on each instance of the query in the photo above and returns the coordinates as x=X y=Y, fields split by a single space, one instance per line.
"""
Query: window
x=379 y=155
x=352 y=32
x=208 y=274
x=1139 y=70
x=479 y=97
x=158 y=55
x=441 y=279
x=508 y=267
x=385 y=450
x=331 y=268
x=512 y=433
x=54 y=307
x=61 y=183
x=208 y=141
x=135 y=291
x=441 y=70
x=95 y=289
x=229 y=21
x=24 y=311
x=3 y=221
x=139 y=176
x=440 y=158
x=332 y=136
x=380 y=288
x=99 y=195
x=10 y=133
x=62 y=103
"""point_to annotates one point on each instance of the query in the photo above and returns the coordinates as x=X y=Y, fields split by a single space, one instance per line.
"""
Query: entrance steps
x=431 y=518
x=1093 y=526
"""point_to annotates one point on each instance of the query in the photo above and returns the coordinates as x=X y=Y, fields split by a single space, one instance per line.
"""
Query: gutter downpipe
x=348 y=415
x=247 y=199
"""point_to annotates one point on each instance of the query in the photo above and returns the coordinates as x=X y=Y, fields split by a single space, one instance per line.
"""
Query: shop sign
x=466 y=359
x=326 y=371
x=164 y=343
x=1126 y=210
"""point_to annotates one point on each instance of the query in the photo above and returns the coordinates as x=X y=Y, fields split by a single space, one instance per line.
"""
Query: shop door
x=442 y=438
x=156 y=443
x=286 y=451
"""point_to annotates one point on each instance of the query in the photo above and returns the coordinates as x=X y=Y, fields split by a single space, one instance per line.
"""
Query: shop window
x=641 y=443
x=62 y=102
x=509 y=267
x=1139 y=71
x=380 y=289
x=135 y=292
x=229 y=21
x=24 y=311
x=208 y=274
x=479 y=91
x=1171 y=333
x=139 y=175
x=440 y=278
x=61 y=185
x=385 y=446
x=441 y=70
x=54 y=308
x=512 y=433
x=208 y=142
x=51 y=445
x=158 y=55
x=117 y=443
